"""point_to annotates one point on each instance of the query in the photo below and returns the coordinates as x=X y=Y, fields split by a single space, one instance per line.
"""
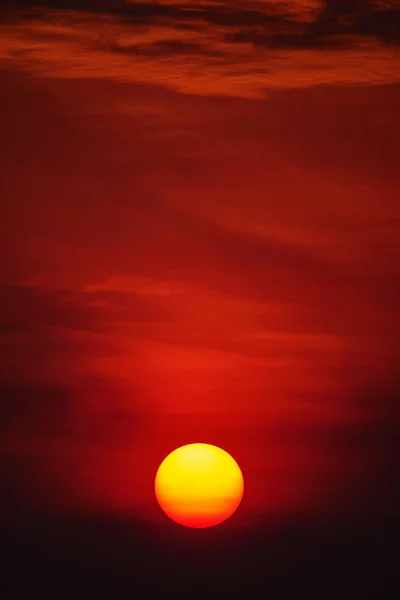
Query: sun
x=199 y=485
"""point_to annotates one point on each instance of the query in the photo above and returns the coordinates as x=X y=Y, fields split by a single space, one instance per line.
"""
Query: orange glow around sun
x=199 y=485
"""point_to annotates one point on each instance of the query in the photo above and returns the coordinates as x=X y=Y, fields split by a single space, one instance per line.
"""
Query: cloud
x=207 y=49
x=59 y=417
x=45 y=333
x=143 y=286
x=199 y=253
x=337 y=24
x=59 y=442
x=23 y=307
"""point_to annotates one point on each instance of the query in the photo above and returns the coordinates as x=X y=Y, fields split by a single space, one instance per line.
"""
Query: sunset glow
x=200 y=242
x=199 y=485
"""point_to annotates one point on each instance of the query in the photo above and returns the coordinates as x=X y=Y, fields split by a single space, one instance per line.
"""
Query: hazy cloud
x=211 y=48
x=196 y=228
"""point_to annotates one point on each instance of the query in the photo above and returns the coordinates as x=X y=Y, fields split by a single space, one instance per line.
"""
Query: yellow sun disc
x=199 y=485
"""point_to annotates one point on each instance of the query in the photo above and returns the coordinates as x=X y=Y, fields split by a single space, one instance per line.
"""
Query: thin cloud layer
x=200 y=240
x=218 y=48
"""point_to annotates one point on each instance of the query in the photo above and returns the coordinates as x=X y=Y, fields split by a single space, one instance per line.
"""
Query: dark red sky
x=200 y=231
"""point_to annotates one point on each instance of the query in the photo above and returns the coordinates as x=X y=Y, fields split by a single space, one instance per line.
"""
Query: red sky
x=200 y=232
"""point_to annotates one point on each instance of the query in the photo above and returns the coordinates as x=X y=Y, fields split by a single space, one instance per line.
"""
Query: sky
x=200 y=236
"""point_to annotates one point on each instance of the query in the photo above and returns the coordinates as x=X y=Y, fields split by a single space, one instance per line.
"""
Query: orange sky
x=200 y=239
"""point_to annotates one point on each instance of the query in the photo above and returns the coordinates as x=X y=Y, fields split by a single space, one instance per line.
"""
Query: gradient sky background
x=200 y=238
